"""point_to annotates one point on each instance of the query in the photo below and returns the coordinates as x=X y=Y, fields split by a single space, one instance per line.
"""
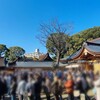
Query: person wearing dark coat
x=37 y=86
x=79 y=87
x=0 y=89
x=4 y=88
x=13 y=88
x=56 y=88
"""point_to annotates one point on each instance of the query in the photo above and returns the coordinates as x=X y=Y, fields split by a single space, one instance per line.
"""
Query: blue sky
x=20 y=19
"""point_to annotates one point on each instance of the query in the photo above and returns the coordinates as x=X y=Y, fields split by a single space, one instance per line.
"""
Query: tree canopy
x=54 y=36
x=76 y=40
x=3 y=48
x=56 y=42
x=13 y=53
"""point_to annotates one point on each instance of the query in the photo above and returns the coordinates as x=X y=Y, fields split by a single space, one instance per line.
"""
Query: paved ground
x=76 y=93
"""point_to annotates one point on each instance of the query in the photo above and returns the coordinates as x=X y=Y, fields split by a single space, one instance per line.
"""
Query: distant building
x=39 y=58
x=35 y=54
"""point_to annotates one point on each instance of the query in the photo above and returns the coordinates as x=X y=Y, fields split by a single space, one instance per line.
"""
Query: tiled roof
x=97 y=40
x=45 y=57
x=41 y=57
x=36 y=64
x=92 y=46
x=74 y=55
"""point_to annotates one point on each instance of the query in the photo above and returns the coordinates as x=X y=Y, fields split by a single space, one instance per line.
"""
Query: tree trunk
x=58 y=59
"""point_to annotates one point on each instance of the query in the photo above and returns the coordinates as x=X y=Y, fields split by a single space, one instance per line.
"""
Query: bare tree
x=54 y=36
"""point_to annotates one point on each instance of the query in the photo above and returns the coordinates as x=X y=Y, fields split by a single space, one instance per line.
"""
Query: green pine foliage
x=76 y=40
x=13 y=53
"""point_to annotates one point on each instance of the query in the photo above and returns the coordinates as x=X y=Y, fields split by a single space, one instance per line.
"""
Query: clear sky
x=20 y=19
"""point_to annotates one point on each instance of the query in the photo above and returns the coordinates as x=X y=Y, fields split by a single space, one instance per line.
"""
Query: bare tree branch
x=56 y=34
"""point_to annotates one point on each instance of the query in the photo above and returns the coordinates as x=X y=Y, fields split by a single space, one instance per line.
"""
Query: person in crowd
x=56 y=88
x=30 y=87
x=78 y=87
x=8 y=78
x=97 y=86
x=47 y=87
x=69 y=86
x=89 y=81
x=91 y=74
x=61 y=86
x=0 y=88
x=13 y=88
x=37 y=86
x=54 y=82
x=21 y=90
x=4 y=87
x=84 y=83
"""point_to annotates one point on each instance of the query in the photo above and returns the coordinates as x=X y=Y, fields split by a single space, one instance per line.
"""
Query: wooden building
x=88 y=56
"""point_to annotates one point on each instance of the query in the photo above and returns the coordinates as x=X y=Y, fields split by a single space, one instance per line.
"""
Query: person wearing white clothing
x=21 y=90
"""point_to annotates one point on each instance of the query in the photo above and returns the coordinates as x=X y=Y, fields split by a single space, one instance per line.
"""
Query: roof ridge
x=93 y=43
x=94 y=40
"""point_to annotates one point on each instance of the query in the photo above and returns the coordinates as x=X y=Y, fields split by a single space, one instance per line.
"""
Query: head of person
x=14 y=79
x=36 y=76
x=97 y=75
x=24 y=76
x=78 y=79
x=55 y=78
x=30 y=77
x=69 y=77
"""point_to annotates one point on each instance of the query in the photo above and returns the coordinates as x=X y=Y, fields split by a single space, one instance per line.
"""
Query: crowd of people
x=30 y=84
